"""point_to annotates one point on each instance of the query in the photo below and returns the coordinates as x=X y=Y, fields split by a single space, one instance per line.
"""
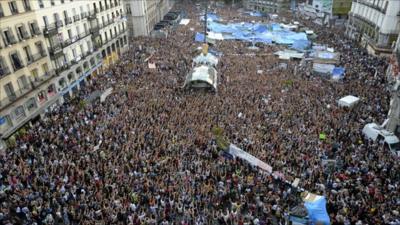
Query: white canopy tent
x=202 y=77
x=348 y=101
x=208 y=59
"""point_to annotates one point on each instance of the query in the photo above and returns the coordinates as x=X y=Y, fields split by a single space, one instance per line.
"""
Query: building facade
x=393 y=76
x=375 y=24
x=142 y=15
x=326 y=12
x=49 y=49
x=268 y=6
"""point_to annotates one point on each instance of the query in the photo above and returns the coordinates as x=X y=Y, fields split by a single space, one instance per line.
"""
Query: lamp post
x=205 y=21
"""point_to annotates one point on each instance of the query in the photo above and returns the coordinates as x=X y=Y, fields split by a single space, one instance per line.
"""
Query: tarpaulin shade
x=199 y=37
x=316 y=208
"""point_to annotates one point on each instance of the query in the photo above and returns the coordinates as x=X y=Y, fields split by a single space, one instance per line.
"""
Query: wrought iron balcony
x=76 y=18
x=10 y=40
x=67 y=20
x=84 y=15
x=55 y=51
x=36 y=57
x=92 y=14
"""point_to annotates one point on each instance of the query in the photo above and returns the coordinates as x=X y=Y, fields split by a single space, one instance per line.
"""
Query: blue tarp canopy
x=317 y=211
x=199 y=37
x=338 y=72
x=258 y=32
x=300 y=45
x=211 y=17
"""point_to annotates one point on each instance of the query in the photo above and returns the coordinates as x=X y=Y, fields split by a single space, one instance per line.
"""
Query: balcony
x=76 y=18
x=21 y=93
x=50 y=29
x=10 y=40
x=28 y=8
x=36 y=57
x=92 y=14
x=95 y=30
x=14 y=11
x=4 y=71
x=55 y=51
x=67 y=20
x=84 y=15
x=83 y=35
x=36 y=31
x=62 y=68
x=24 y=35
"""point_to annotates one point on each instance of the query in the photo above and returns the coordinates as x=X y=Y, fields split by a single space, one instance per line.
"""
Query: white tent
x=184 y=22
x=202 y=77
x=288 y=54
x=208 y=59
x=348 y=101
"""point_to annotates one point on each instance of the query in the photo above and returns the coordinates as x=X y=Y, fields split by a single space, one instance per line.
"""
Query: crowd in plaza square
x=147 y=154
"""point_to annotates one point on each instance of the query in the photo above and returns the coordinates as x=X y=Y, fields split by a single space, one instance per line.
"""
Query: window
x=9 y=88
x=41 y=5
x=28 y=55
x=52 y=2
x=13 y=7
x=17 y=64
x=26 y=4
x=34 y=28
x=22 y=82
x=1 y=11
x=62 y=1
x=8 y=37
x=31 y=104
x=19 y=112
x=22 y=33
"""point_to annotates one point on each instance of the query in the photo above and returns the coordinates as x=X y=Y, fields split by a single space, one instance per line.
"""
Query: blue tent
x=338 y=72
x=199 y=37
x=317 y=211
x=300 y=45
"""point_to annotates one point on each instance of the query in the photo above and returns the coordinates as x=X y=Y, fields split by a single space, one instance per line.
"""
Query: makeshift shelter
x=338 y=73
x=316 y=209
x=326 y=57
x=348 y=101
x=184 y=22
x=202 y=77
x=208 y=59
x=288 y=54
x=323 y=69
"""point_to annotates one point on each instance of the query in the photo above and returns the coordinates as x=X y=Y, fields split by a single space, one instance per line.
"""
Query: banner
x=237 y=152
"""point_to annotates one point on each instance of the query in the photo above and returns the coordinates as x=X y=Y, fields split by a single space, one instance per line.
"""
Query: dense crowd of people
x=147 y=154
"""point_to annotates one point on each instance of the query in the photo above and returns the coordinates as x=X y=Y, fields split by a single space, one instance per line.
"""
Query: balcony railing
x=83 y=35
x=36 y=57
x=4 y=71
x=92 y=14
x=67 y=20
x=36 y=31
x=76 y=18
x=55 y=51
x=19 y=94
x=84 y=15
x=63 y=68
x=28 y=8
x=10 y=40
x=14 y=11
x=24 y=35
